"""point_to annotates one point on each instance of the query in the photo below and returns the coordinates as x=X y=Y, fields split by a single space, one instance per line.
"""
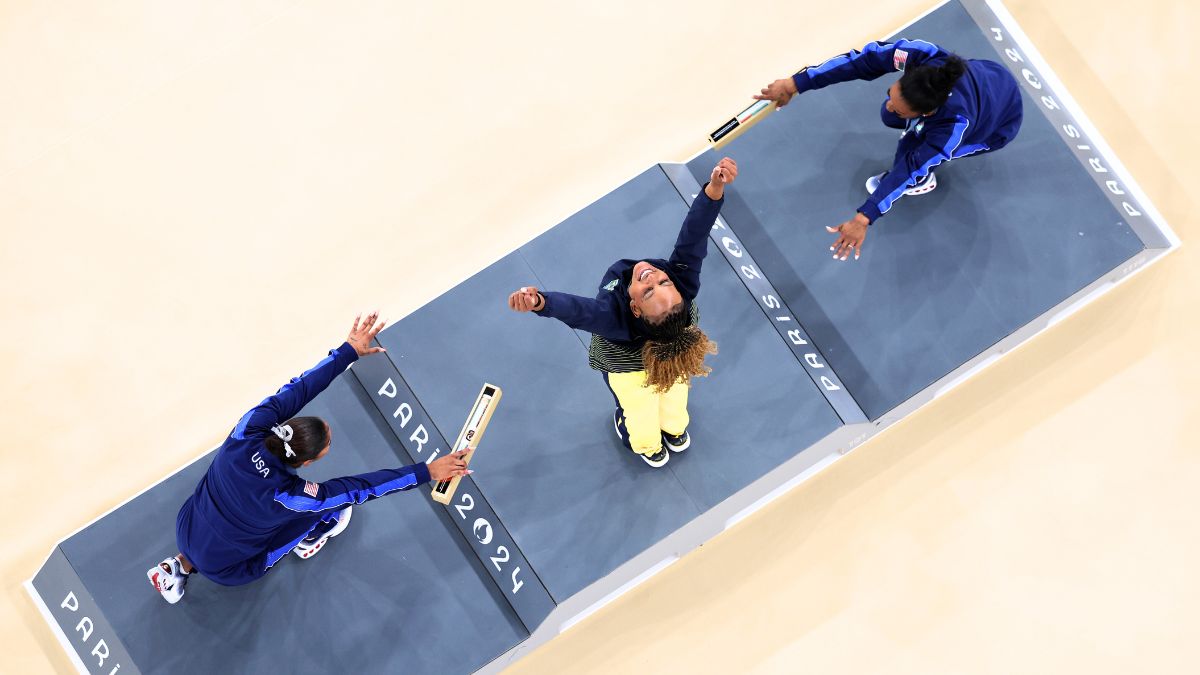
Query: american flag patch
x=310 y=488
x=899 y=58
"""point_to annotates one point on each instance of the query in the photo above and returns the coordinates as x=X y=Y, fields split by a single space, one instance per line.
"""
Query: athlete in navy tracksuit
x=948 y=108
x=250 y=509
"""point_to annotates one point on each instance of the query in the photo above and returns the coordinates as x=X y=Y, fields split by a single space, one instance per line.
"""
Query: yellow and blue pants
x=643 y=413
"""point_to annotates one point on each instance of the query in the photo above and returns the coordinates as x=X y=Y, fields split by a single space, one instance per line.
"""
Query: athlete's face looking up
x=651 y=292
x=898 y=106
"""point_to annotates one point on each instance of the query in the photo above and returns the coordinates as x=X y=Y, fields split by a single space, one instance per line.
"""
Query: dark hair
x=675 y=350
x=310 y=435
x=670 y=323
x=926 y=88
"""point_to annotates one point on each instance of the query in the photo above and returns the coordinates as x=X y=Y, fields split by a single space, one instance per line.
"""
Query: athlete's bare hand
x=526 y=299
x=362 y=333
x=447 y=467
x=851 y=235
x=781 y=91
x=722 y=174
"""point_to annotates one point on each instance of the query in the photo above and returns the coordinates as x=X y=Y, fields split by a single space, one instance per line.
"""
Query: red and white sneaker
x=926 y=184
x=169 y=579
x=313 y=544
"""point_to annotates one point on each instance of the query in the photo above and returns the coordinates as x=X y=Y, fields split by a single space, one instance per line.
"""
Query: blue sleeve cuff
x=545 y=310
x=345 y=351
x=421 y=472
x=871 y=211
x=710 y=200
x=803 y=83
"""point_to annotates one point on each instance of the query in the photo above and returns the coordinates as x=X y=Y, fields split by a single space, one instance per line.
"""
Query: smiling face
x=651 y=292
x=898 y=106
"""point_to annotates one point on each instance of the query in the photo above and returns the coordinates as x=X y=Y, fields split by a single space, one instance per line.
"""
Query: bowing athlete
x=947 y=108
x=250 y=509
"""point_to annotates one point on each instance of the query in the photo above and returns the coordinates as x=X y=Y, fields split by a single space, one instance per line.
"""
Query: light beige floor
x=196 y=197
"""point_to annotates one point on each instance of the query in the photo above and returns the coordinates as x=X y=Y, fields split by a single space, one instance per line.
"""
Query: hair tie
x=284 y=432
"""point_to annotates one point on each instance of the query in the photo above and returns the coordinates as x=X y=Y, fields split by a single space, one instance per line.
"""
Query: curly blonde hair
x=676 y=353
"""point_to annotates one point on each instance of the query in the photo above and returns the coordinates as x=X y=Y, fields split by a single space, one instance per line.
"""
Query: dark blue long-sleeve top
x=248 y=497
x=608 y=315
x=983 y=112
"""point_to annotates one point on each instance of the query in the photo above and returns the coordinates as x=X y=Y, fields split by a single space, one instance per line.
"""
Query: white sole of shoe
x=678 y=448
x=657 y=465
x=924 y=188
x=343 y=522
x=310 y=551
x=872 y=183
x=157 y=576
x=306 y=552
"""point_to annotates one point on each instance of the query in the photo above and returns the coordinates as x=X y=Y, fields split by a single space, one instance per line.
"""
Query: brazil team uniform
x=983 y=113
x=618 y=336
x=250 y=509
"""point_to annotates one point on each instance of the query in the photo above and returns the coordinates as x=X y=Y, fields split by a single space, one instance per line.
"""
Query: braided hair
x=926 y=88
x=675 y=349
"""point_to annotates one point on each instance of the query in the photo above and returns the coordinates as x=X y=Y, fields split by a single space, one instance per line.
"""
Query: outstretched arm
x=692 y=243
x=941 y=144
x=287 y=402
x=691 y=246
x=601 y=316
x=337 y=493
x=874 y=60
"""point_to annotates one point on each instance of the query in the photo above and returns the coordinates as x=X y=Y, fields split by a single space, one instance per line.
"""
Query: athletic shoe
x=658 y=459
x=169 y=579
x=926 y=184
x=617 y=425
x=873 y=182
x=677 y=443
x=313 y=543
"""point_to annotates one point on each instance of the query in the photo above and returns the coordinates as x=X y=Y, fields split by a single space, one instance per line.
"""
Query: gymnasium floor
x=1045 y=504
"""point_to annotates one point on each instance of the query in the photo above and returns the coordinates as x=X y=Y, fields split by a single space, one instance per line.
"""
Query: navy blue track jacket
x=608 y=314
x=983 y=112
x=251 y=506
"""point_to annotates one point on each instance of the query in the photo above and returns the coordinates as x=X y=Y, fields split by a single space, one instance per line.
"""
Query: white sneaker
x=921 y=188
x=658 y=459
x=924 y=186
x=307 y=549
x=873 y=182
x=169 y=579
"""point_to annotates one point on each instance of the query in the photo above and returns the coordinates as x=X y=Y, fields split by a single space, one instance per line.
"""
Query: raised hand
x=449 y=466
x=526 y=299
x=362 y=333
x=725 y=171
x=781 y=91
x=722 y=174
x=851 y=235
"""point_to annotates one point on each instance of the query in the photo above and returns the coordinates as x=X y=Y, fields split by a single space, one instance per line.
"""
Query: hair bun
x=948 y=73
x=927 y=87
